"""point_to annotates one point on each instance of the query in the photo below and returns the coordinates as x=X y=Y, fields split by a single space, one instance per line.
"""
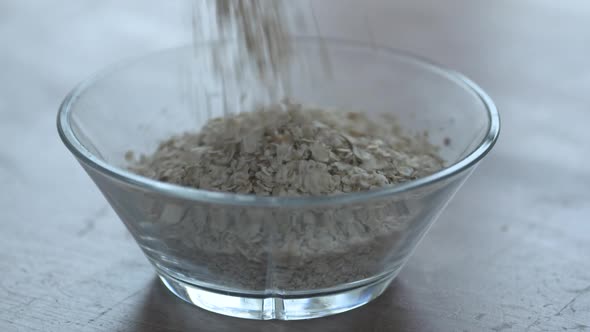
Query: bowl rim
x=83 y=155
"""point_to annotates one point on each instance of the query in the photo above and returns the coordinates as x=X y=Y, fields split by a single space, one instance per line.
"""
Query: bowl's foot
x=276 y=307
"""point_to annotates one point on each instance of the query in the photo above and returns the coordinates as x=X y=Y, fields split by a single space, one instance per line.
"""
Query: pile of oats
x=288 y=149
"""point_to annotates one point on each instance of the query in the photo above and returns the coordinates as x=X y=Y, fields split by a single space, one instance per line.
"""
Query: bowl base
x=276 y=307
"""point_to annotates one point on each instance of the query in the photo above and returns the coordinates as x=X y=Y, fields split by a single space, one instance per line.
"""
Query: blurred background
x=510 y=253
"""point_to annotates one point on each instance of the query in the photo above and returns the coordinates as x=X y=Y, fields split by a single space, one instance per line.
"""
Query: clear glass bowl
x=275 y=258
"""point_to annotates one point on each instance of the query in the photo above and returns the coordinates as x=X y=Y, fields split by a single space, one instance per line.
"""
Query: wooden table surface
x=511 y=252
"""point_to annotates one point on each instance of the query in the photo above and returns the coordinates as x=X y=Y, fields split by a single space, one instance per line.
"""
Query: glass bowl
x=263 y=257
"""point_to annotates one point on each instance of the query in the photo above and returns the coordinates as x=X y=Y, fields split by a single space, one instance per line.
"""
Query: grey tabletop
x=511 y=252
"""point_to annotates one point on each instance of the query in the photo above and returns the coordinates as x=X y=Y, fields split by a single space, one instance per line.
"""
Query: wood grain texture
x=511 y=253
